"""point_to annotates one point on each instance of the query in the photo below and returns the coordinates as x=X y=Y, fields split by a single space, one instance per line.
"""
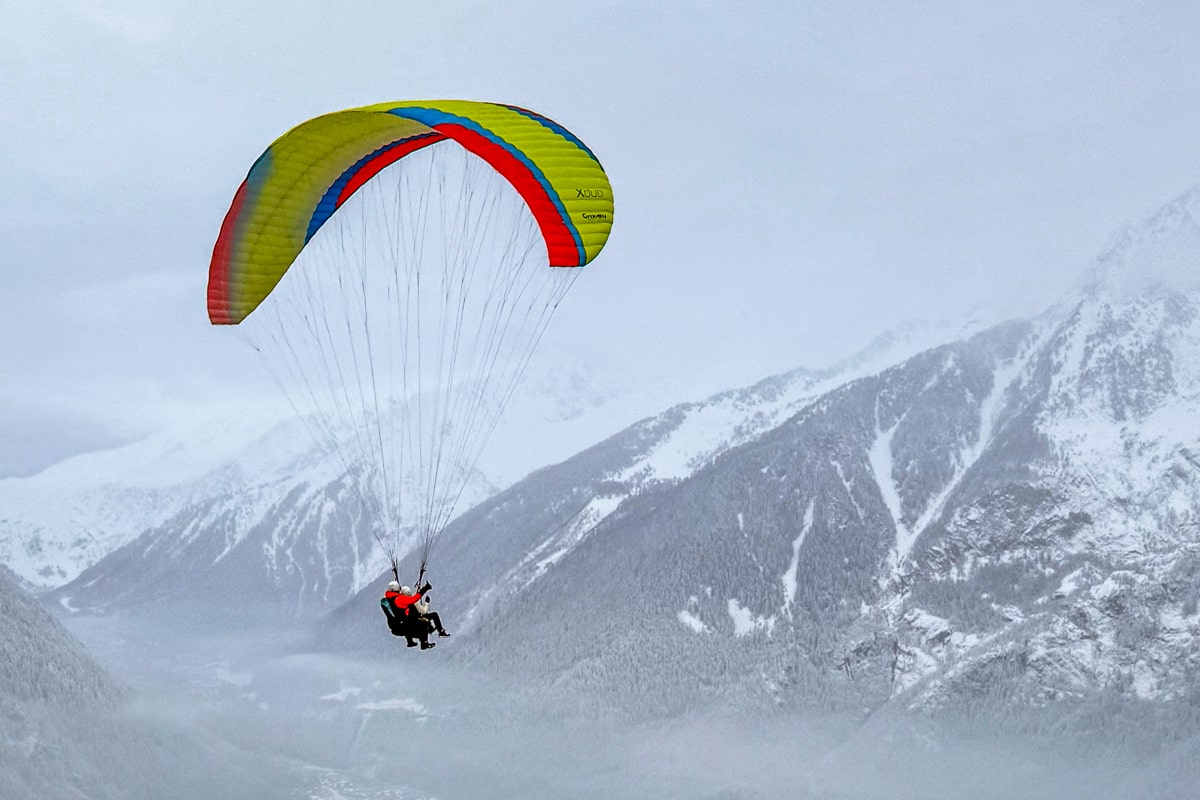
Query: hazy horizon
x=789 y=181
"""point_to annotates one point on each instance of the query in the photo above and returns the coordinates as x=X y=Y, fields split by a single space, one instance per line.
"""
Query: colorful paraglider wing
x=306 y=174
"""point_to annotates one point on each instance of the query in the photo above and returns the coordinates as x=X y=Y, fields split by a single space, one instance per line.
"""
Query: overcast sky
x=790 y=178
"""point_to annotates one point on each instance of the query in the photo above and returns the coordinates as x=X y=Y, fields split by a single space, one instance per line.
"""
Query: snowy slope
x=54 y=524
x=1066 y=560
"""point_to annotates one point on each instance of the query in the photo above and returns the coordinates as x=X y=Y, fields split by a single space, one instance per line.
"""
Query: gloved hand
x=425 y=588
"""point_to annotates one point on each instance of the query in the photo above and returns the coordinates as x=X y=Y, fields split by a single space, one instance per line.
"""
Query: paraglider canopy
x=312 y=170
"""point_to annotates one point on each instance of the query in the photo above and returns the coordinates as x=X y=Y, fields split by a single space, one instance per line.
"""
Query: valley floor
x=411 y=728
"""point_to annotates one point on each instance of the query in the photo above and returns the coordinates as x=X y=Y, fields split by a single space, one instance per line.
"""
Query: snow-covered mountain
x=221 y=472
x=1006 y=518
x=1007 y=521
x=56 y=523
x=275 y=519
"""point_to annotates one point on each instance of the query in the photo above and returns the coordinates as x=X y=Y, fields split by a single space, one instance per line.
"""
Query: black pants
x=415 y=627
x=419 y=627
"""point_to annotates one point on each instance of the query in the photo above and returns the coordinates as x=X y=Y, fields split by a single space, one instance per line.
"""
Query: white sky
x=790 y=178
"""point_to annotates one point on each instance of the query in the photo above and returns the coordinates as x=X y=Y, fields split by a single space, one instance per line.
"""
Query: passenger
x=431 y=617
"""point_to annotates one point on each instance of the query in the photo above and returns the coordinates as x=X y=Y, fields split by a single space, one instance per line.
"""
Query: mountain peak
x=1161 y=252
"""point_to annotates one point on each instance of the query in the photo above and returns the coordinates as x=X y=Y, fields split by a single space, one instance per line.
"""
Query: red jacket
x=402 y=601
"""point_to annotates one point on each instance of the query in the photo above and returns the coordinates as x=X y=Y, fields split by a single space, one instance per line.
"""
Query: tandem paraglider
x=408 y=614
x=396 y=266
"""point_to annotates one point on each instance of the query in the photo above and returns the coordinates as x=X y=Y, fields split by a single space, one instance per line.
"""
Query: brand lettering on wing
x=589 y=193
x=594 y=215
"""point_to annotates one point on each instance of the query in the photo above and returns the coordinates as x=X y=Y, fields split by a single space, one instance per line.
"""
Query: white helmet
x=394 y=586
x=405 y=590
